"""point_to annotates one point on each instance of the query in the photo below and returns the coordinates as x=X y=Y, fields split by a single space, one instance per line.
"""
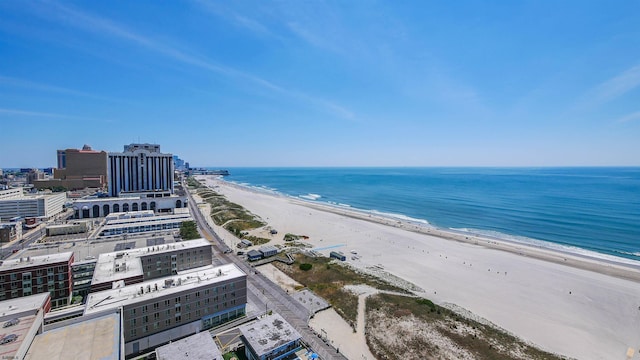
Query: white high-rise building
x=140 y=168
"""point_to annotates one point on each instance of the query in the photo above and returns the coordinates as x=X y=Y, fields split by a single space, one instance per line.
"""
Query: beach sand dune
x=581 y=311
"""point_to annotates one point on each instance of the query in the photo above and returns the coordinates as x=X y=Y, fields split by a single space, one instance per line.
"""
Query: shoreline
x=625 y=268
x=580 y=308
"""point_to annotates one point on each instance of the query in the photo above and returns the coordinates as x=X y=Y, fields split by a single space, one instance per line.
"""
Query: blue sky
x=324 y=83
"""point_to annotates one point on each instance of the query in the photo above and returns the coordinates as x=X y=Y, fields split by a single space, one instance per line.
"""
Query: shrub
x=305 y=267
x=189 y=230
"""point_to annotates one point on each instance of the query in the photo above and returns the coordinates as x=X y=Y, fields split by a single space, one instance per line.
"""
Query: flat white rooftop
x=196 y=347
x=94 y=339
x=25 y=262
x=170 y=285
x=269 y=333
x=146 y=220
x=19 y=305
x=128 y=261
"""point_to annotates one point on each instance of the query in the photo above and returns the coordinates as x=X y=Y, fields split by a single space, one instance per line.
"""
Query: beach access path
x=578 y=307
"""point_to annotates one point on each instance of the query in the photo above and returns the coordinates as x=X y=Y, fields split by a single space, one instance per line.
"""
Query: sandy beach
x=571 y=305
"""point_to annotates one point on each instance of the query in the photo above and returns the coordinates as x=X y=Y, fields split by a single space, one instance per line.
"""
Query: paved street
x=265 y=294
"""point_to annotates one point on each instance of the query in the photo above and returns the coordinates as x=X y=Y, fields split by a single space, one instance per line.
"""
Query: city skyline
x=324 y=83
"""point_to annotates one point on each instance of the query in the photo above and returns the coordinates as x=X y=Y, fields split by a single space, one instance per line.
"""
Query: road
x=263 y=293
x=27 y=239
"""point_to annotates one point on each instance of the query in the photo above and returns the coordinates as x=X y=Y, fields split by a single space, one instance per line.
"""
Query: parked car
x=9 y=338
x=14 y=321
x=240 y=253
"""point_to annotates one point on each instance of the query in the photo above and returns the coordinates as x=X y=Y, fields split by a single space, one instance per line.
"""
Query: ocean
x=589 y=211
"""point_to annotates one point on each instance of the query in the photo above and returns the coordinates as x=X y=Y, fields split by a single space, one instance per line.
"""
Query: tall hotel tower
x=140 y=168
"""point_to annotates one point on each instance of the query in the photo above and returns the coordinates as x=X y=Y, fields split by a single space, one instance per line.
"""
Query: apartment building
x=136 y=265
x=159 y=311
x=38 y=274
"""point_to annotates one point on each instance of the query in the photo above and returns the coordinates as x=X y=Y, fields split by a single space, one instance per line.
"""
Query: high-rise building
x=78 y=169
x=140 y=168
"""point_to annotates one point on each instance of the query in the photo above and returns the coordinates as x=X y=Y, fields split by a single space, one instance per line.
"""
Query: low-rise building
x=271 y=337
x=32 y=206
x=254 y=255
x=136 y=265
x=30 y=275
x=158 y=311
x=10 y=231
x=22 y=319
x=136 y=222
x=195 y=347
x=157 y=201
x=268 y=250
x=75 y=227
x=93 y=337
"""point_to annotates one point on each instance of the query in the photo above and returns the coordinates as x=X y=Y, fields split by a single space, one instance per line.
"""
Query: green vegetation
x=192 y=182
x=291 y=237
x=483 y=341
x=231 y=216
x=189 y=230
x=305 y=267
x=239 y=355
x=256 y=240
x=327 y=280
x=294 y=237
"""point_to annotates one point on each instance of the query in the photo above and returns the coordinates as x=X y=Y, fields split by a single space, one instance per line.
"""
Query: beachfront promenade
x=264 y=294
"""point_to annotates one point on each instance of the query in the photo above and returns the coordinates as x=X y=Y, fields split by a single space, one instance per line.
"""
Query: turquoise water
x=573 y=209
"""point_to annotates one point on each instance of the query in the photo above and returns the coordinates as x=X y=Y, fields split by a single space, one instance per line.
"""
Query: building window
x=132 y=312
x=178 y=319
x=167 y=322
x=167 y=303
x=156 y=316
x=133 y=332
x=144 y=309
x=156 y=306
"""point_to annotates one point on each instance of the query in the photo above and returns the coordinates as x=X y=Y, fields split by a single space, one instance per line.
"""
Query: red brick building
x=38 y=274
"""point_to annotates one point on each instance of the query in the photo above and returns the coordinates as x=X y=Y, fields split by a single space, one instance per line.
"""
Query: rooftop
x=114 y=298
x=25 y=310
x=123 y=264
x=269 y=333
x=99 y=338
x=13 y=307
x=196 y=347
x=267 y=248
x=30 y=261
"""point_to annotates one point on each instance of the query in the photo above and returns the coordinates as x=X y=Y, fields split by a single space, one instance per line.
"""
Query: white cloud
x=18 y=112
x=91 y=23
x=27 y=84
x=618 y=85
x=629 y=117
